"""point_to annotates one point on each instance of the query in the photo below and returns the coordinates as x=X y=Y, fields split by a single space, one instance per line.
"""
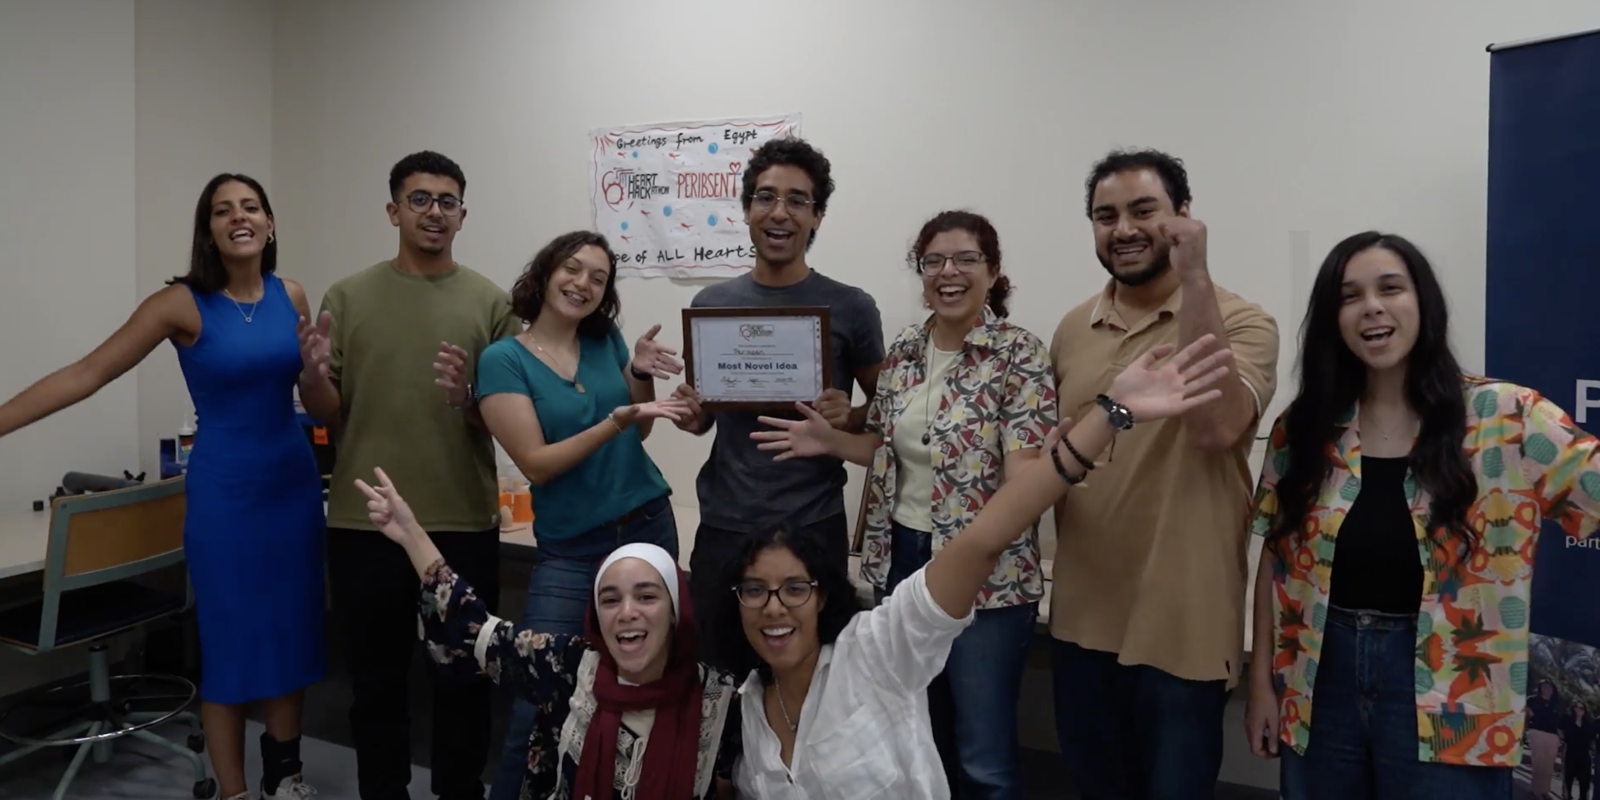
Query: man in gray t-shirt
x=741 y=489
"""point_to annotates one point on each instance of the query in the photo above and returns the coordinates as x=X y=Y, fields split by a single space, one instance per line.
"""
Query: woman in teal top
x=572 y=408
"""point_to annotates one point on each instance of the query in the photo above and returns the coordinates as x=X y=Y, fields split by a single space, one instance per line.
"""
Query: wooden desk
x=24 y=539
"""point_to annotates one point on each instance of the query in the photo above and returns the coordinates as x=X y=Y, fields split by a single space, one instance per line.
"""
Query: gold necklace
x=576 y=384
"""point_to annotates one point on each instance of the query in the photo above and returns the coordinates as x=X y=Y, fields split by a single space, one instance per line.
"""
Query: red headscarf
x=672 y=752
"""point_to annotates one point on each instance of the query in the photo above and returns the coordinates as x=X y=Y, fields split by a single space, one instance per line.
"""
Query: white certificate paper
x=758 y=359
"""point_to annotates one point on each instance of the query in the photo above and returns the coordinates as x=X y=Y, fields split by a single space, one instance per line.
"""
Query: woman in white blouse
x=835 y=703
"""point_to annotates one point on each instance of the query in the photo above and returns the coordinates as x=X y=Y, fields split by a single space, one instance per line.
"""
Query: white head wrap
x=656 y=557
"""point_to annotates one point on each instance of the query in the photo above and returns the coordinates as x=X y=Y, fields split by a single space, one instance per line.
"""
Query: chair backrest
x=110 y=536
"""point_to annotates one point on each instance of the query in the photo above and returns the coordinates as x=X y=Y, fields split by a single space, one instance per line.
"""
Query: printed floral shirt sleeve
x=882 y=400
x=464 y=639
x=1562 y=462
x=1265 y=508
x=1029 y=409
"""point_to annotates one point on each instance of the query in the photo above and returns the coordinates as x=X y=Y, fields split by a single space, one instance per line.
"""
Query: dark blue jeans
x=1364 y=722
x=973 y=703
x=1134 y=732
x=559 y=594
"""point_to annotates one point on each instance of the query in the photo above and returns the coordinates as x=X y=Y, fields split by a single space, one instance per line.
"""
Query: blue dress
x=253 y=535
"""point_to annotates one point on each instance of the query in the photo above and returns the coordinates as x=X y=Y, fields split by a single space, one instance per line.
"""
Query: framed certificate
x=757 y=359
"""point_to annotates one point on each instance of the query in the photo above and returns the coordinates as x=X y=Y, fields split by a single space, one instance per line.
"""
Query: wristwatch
x=1121 y=417
x=472 y=398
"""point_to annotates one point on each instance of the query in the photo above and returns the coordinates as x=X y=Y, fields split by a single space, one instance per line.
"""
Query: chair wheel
x=206 y=789
x=197 y=742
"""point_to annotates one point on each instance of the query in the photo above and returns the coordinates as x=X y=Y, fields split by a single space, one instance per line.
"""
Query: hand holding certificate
x=758 y=359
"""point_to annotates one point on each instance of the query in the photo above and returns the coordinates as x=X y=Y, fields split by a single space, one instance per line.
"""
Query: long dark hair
x=988 y=243
x=206 y=273
x=1332 y=379
x=527 y=294
x=724 y=624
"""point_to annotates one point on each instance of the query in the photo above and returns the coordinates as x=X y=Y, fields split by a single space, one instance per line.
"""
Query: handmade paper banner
x=667 y=196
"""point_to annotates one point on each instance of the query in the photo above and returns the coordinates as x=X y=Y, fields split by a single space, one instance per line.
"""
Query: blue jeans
x=560 y=592
x=973 y=703
x=1364 y=722
x=1134 y=732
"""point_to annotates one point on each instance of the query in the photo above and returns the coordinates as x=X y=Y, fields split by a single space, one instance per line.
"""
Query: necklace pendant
x=579 y=386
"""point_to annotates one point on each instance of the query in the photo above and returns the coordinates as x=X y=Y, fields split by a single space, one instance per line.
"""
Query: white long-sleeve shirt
x=864 y=728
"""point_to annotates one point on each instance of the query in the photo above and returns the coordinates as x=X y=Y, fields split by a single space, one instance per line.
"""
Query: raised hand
x=387 y=509
x=1154 y=391
x=796 y=438
x=316 y=343
x=651 y=357
x=691 y=401
x=834 y=406
x=672 y=408
x=451 y=364
x=1186 y=237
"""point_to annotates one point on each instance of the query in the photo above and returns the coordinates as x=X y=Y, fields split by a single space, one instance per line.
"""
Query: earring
x=272 y=237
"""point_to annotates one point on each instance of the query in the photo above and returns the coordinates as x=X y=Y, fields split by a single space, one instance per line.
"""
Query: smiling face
x=577 y=285
x=240 y=225
x=635 y=615
x=782 y=215
x=1378 y=315
x=1126 y=209
x=428 y=212
x=958 y=287
x=782 y=634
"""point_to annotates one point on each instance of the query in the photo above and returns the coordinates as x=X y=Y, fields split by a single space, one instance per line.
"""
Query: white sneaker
x=292 y=788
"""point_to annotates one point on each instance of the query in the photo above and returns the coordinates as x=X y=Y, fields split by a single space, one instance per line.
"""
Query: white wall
x=67 y=228
x=115 y=115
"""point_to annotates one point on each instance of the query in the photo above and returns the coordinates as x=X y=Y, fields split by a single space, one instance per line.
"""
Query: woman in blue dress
x=254 y=527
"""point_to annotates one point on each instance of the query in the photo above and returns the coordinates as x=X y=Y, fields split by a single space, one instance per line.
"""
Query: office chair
x=98 y=544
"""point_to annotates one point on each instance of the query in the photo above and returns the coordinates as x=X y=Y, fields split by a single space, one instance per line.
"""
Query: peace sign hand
x=316 y=343
x=802 y=438
x=651 y=357
x=388 y=510
x=1154 y=392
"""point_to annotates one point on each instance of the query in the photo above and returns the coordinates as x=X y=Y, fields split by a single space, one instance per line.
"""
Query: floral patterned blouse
x=556 y=674
x=1000 y=398
x=1532 y=464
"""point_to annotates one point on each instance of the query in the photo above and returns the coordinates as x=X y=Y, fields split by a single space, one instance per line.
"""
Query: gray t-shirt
x=743 y=489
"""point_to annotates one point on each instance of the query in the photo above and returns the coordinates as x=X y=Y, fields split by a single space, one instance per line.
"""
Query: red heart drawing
x=735 y=166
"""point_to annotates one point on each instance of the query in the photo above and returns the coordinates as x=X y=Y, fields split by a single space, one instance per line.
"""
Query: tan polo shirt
x=1150 y=550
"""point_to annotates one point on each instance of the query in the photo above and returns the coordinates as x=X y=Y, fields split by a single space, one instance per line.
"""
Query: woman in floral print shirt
x=964 y=399
x=1402 y=502
x=638 y=719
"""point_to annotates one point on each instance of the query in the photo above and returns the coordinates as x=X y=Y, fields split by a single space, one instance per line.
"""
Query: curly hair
x=527 y=294
x=794 y=152
x=1174 y=176
x=838 y=604
x=988 y=243
x=425 y=162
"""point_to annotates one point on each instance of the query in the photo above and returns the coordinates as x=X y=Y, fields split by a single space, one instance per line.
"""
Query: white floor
x=140 y=772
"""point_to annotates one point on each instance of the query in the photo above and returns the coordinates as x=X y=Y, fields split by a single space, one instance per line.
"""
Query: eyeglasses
x=792 y=594
x=933 y=263
x=420 y=202
x=795 y=202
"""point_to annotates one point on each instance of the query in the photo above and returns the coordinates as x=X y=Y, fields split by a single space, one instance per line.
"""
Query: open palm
x=1180 y=382
x=795 y=438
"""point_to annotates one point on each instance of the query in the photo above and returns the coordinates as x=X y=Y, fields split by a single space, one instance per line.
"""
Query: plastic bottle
x=185 y=441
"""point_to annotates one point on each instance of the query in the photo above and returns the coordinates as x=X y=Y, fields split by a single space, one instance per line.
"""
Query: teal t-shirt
x=617 y=478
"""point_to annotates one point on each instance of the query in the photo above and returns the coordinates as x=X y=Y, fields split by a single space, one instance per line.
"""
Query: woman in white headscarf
x=625 y=710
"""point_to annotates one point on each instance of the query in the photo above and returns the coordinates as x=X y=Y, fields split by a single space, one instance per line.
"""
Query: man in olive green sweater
x=401 y=330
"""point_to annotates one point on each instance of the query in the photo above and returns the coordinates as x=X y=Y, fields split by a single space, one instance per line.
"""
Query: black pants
x=1577 y=767
x=376 y=594
x=714 y=548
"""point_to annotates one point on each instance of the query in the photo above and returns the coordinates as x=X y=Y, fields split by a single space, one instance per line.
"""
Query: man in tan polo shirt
x=1147 y=607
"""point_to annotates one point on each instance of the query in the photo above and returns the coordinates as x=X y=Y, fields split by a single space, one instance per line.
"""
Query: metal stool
x=117 y=706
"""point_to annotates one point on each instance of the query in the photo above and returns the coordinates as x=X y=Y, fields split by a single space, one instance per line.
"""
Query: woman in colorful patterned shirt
x=964 y=399
x=625 y=711
x=1402 y=501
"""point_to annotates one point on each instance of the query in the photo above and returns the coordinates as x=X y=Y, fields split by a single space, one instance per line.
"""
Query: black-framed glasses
x=792 y=594
x=796 y=202
x=420 y=202
x=932 y=263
